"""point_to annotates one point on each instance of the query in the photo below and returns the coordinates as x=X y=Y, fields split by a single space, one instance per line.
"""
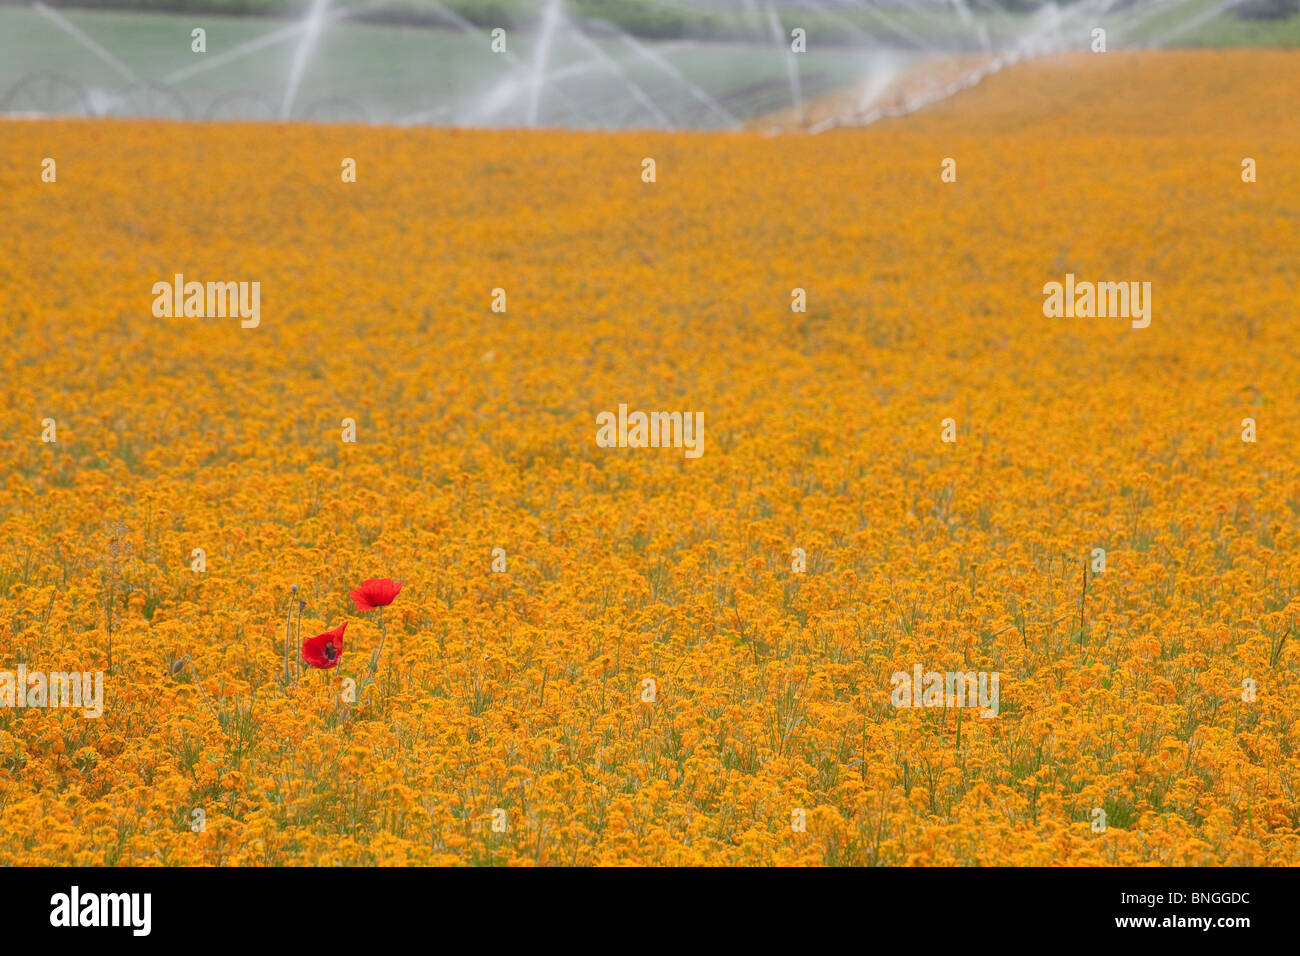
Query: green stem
x=297 y=640
x=288 y=620
x=373 y=669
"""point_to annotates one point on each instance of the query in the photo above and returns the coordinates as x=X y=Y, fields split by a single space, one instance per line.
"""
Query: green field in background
x=398 y=73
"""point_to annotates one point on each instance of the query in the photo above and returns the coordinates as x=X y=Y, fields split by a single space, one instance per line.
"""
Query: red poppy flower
x=324 y=650
x=377 y=592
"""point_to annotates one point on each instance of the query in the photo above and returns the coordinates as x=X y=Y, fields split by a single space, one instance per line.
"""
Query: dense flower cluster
x=650 y=679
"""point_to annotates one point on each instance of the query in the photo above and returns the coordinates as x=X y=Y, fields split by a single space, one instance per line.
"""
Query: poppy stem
x=288 y=620
x=297 y=658
x=383 y=637
x=203 y=693
x=373 y=669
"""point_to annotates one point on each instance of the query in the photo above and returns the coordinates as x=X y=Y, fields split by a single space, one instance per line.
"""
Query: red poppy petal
x=316 y=651
x=377 y=592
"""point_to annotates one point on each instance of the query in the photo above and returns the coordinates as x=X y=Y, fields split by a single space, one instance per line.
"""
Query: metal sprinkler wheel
x=149 y=100
x=241 y=105
x=45 y=94
x=336 y=109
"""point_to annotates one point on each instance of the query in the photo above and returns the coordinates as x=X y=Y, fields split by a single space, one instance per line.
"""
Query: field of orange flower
x=650 y=679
